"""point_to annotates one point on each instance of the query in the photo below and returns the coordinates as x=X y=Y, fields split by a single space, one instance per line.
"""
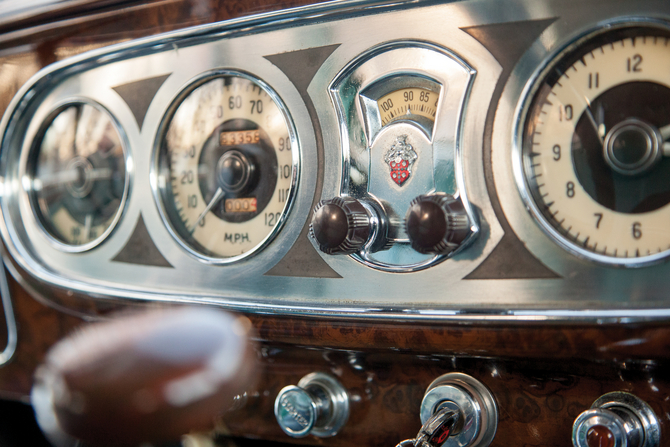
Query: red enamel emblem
x=400 y=158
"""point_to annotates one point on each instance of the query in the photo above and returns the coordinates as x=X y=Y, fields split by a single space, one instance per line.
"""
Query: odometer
x=227 y=168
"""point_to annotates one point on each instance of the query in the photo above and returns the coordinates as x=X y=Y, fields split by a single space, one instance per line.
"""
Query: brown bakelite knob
x=341 y=225
x=148 y=377
x=437 y=224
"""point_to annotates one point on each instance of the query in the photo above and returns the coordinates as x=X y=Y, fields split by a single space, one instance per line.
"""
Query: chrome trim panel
x=586 y=292
x=378 y=72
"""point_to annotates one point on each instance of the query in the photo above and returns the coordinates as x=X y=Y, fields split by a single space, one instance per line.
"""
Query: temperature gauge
x=407 y=98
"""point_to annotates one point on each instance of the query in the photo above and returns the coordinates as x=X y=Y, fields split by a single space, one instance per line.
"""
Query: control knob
x=343 y=225
x=437 y=224
x=319 y=405
x=617 y=419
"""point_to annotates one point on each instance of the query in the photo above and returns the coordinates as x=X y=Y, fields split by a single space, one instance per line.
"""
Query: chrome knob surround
x=319 y=406
x=617 y=419
x=474 y=402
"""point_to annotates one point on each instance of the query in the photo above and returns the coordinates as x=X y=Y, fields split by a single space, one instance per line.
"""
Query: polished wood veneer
x=541 y=376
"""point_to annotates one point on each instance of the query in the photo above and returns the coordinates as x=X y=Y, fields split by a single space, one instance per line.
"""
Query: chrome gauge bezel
x=30 y=146
x=530 y=90
x=158 y=181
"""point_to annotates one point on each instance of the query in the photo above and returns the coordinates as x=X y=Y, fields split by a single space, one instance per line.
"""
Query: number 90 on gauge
x=227 y=167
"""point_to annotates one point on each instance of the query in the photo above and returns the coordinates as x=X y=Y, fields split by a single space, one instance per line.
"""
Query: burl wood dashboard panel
x=542 y=371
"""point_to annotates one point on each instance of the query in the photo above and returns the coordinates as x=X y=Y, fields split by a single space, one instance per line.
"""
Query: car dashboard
x=412 y=202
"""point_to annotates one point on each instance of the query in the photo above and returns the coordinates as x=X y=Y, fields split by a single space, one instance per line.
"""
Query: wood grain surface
x=541 y=377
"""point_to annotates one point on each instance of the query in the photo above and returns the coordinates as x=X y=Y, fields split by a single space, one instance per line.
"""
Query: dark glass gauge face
x=77 y=172
x=596 y=155
x=226 y=170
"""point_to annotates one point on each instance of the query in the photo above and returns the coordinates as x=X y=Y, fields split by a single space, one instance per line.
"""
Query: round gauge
x=595 y=154
x=227 y=167
x=78 y=178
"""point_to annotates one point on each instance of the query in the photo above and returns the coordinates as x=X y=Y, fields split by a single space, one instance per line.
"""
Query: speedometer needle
x=217 y=196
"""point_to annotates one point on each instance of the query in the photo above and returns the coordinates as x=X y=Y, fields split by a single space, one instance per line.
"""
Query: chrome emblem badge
x=400 y=158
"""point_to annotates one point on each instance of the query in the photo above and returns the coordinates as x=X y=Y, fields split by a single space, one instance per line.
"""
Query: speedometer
x=595 y=156
x=227 y=167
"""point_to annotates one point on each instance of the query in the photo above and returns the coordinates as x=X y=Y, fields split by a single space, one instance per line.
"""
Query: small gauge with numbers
x=78 y=177
x=227 y=167
x=595 y=152
x=407 y=97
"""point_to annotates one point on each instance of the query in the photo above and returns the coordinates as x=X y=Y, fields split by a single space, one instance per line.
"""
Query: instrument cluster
x=432 y=173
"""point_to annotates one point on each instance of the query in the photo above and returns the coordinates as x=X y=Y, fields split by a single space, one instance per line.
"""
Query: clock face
x=595 y=154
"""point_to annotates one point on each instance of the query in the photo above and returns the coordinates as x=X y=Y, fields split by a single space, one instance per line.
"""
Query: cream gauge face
x=227 y=169
x=596 y=156
x=77 y=176
x=408 y=103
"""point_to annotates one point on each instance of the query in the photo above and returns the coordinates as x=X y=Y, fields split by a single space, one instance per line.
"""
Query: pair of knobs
x=435 y=224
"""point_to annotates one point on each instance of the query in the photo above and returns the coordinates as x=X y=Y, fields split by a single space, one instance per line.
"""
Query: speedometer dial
x=227 y=167
x=595 y=153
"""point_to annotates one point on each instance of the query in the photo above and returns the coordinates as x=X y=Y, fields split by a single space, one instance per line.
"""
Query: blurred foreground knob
x=341 y=225
x=147 y=377
x=437 y=224
x=319 y=405
x=617 y=420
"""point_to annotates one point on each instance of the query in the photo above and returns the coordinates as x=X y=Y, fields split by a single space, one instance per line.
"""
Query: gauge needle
x=598 y=127
x=87 y=225
x=217 y=196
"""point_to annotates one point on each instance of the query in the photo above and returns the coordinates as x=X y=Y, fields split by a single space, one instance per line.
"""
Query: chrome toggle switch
x=617 y=419
x=319 y=405
x=477 y=409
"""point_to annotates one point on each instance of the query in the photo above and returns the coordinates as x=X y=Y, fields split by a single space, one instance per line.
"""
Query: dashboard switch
x=319 y=405
x=343 y=225
x=437 y=224
x=617 y=420
x=465 y=395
